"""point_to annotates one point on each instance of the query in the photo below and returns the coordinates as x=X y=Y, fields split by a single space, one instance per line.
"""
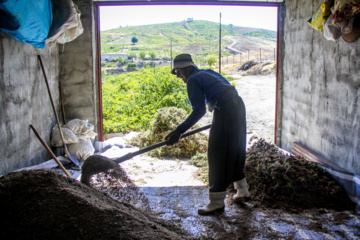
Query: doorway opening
x=135 y=37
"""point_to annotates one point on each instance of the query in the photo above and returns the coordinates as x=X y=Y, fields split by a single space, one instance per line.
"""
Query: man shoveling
x=227 y=140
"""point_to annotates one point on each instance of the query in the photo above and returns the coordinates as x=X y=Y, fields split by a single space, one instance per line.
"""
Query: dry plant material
x=200 y=160
x=166 y=120
x=278 y=180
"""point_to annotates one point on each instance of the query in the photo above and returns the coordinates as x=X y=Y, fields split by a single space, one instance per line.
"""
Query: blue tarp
x=27 y=21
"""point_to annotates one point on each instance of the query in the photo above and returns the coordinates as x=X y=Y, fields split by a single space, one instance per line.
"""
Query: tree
x=134 y=40
x=211 y=60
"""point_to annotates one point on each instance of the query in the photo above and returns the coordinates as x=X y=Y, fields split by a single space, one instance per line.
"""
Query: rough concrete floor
x=179 y=204
x=174 y=194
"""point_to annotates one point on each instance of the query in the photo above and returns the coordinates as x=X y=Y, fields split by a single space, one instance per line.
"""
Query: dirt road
x=258 y=94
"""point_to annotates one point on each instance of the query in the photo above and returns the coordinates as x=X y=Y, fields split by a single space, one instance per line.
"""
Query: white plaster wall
x=321 y=90
x=24 y=100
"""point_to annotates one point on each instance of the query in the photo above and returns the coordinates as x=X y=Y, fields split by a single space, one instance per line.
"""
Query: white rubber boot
x=242 y=193
x=216 y=203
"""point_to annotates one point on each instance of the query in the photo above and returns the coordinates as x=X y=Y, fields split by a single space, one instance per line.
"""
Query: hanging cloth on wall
x=354 y=34
x=344 y=10
x=66 y=23
x=26 y=21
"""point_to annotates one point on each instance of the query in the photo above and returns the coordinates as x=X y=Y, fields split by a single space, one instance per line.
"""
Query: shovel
x=49 y=150
x=71 y=157
x=97 y=163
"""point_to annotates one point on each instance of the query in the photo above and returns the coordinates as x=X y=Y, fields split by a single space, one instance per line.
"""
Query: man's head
x=183 y=65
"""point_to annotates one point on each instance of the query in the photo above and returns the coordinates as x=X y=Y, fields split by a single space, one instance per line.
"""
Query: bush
x=121 y=61
x=142 y=55
x=130 y=100
x=211 y=61
x=152 y=55
x=131 y=55
x=110 y=65
x=131 y=66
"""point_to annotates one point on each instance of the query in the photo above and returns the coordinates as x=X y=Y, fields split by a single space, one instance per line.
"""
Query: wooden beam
x=304 y=151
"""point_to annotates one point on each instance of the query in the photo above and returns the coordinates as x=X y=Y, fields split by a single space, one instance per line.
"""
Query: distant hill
x=198 y=37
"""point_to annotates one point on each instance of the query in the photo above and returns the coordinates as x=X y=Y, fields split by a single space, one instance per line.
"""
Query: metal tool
x=97 y=163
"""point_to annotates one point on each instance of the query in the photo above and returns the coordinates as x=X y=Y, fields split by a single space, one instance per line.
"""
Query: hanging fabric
x=344 y=10
x=26 y=21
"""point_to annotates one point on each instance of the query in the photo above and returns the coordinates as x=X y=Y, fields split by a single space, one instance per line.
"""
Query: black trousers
x=227 y=144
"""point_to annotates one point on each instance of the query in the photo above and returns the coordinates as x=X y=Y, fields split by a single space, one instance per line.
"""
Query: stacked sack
x=77 y=135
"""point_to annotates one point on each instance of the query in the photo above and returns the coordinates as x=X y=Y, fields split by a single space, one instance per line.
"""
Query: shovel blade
x=73 y=159
x=95 y=164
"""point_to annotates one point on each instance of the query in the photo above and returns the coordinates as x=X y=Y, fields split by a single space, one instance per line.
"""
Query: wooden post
x=220 y=46
x=274 y=55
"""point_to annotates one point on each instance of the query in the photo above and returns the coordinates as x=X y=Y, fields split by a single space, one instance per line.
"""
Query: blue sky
x=258 y=17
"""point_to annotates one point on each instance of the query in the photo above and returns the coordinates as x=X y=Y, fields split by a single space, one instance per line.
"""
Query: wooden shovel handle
x=157 y=145
x=49 y=150
x=53 y=106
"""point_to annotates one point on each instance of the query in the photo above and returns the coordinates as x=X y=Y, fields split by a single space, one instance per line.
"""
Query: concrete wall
x=24 y=100
x=77 y=71
x=321 y=90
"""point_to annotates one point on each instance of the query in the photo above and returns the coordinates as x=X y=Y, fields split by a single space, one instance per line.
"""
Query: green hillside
x=199 y=38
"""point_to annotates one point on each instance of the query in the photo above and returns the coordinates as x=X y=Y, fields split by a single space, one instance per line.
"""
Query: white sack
x=69 y=137
x=81 y=150
x=82 y=129
x=71 y=29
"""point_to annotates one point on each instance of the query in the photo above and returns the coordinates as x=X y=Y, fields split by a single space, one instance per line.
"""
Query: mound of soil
x=278 y=180
x=41 y=204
